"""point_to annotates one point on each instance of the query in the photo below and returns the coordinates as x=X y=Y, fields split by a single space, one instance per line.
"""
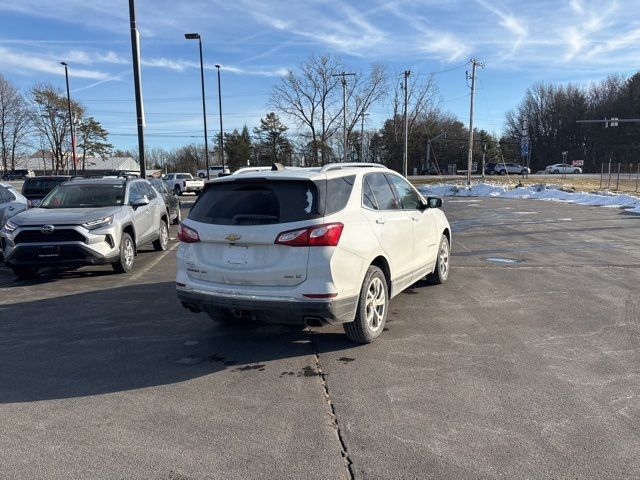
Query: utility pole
x=405 y=156
x=362 y=136
x=137 y=82
x=484 y=151
x=344 y=76
x=474 y=64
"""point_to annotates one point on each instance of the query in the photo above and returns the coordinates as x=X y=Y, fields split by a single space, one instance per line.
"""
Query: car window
x=184 y=176
x=384 y=196
x=4 y=197
x=135 y=193
x=368 y=200
x=338 y=193
x=148 y=190
x=257 y=203
x=84 y=195
x=409 y=198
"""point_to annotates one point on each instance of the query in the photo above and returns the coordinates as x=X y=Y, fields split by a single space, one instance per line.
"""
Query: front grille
x=46 y=255
x=36 y=236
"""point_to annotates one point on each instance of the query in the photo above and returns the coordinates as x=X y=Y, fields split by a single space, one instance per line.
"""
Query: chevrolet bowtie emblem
x=232 y=237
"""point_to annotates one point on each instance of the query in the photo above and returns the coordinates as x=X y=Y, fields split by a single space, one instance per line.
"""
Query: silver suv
x=86 y=222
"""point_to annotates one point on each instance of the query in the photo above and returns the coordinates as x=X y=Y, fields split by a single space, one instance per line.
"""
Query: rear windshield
x=184 y=175
x=256 y=203
x=41 y=186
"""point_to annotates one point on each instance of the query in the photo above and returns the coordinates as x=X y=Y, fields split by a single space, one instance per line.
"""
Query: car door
x=392 y=227
x=141 y=214
x=157 y=206
x=425 y=230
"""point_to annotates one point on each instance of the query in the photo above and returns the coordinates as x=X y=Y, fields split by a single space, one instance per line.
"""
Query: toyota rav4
x=86 y=222
x=310 y=246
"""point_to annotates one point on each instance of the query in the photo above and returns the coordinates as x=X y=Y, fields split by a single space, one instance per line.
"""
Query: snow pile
x=538 y=192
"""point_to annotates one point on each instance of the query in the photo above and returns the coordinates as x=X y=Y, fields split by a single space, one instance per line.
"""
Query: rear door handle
x=381 y=221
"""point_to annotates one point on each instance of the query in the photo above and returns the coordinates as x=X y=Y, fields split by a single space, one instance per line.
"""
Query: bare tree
x=50 y=118
x=14 y=122
x=311 y=96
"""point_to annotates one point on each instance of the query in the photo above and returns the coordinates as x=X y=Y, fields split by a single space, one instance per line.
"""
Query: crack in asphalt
x=332 y=413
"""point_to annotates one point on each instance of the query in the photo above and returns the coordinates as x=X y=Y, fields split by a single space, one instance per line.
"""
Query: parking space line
x=161 y=257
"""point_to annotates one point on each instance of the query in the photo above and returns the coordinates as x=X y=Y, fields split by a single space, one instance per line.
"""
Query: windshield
x=84 y=196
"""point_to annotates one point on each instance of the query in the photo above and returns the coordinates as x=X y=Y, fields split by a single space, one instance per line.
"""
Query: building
x=41 y=163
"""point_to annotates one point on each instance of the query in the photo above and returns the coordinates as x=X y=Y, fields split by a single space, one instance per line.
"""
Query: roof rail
x=337 y=166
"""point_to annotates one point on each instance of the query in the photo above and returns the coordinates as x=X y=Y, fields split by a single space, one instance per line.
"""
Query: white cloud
x=28 y=63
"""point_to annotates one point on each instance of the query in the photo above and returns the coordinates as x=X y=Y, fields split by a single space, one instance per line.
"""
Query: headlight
x=98 y=222
x=10 y=226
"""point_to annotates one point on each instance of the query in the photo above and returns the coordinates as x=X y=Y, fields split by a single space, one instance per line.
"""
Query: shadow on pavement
x=127 y=338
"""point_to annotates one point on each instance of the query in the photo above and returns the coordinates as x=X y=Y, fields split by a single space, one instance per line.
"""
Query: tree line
x=39 y=118
x=548 y=114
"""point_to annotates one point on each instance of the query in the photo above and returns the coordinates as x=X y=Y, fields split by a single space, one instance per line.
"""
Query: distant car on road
x=18 y=174
x=214 y=171
x=36 y=188
x=11 y=203
x=511 y=168
x=489 y=168
x=562 y=168
x=170 y=199
x=181 y=183
x=314 y=246
x=86 y=222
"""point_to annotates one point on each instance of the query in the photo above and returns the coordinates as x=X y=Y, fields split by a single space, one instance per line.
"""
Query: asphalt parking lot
x=524 y=365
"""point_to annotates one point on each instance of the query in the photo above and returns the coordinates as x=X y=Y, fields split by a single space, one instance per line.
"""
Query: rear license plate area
x=236 y=255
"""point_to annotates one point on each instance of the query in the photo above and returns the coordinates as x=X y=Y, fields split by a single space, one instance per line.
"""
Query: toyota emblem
x=47 y=229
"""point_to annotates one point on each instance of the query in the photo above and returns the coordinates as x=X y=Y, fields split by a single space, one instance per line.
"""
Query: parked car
x=489 y=168
x=214 y=171
x=86 y=222
x=314 y=246
x=36 y=188
x=562 y=168
x=11 y=202
x=171 y=200
x=181 y=183
x=18 y=174
x=511 y=168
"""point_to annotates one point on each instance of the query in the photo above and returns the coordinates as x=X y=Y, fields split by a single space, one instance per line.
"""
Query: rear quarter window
x=338 y=193
x=257 y=203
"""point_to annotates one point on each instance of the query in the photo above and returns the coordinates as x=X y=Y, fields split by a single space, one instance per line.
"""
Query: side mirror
x=434 y=202
x=140 y=202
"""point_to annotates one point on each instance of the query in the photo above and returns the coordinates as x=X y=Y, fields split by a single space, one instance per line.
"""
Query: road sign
x=577 y=163
x=524 y=146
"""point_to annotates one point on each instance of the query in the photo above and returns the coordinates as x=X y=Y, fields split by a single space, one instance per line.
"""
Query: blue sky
x=255 y=41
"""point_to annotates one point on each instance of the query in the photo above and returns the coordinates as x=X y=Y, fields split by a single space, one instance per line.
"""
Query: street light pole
x=137 y=84
x=362 y=137
x=73 y=138
x=194 y=36
x=220 y=112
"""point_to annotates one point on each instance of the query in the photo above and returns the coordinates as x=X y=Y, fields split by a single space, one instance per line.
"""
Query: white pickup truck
x=180 y=183
x=214 y=171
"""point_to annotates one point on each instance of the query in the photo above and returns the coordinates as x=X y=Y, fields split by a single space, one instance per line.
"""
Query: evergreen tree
x=273 y=145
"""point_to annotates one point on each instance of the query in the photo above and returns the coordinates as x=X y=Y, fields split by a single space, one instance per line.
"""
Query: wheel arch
x=383 y=264
x=128 y=228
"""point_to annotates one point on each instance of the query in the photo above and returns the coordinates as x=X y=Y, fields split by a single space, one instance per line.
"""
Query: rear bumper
x=271 y=309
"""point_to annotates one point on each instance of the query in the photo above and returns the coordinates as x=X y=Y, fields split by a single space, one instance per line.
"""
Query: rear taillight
x=187 y=235
x=326 y=235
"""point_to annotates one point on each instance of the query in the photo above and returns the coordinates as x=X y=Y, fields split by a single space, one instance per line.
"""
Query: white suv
x=311 y=246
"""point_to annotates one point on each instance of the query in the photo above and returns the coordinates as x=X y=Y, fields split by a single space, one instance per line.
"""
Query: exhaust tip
x=313 y=322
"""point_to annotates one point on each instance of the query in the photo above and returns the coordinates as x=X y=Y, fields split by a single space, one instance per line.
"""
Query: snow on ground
x=539 y=192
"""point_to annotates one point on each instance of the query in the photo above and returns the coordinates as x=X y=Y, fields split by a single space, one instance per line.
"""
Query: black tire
x=523 y=173
x=576 y=171
x=502 y=172
x=177 y=190
x=178 y=218
x=369 y=321
x=161 y=244
x=556 y=171
x=125 y=262
x=201 y=175
x=441 y=272
x=24 y=273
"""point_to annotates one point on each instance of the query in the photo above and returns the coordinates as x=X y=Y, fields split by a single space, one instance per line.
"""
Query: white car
x=181 y=183
x=314 y=246
x=562 y=168
x=511 y=168
x=214 y=171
